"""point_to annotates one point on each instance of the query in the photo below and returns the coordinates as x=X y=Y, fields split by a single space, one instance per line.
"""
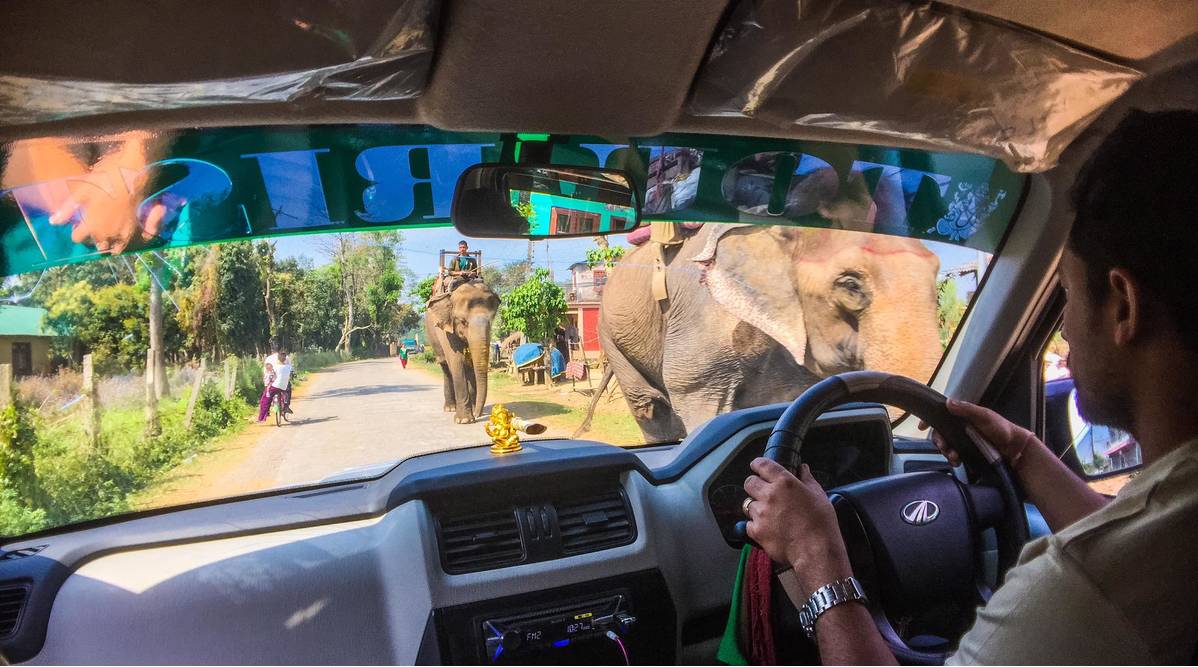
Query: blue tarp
x=529 y=353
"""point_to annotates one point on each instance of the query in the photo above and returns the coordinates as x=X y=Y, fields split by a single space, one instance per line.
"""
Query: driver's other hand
x=791 y=517
x=1010 y=440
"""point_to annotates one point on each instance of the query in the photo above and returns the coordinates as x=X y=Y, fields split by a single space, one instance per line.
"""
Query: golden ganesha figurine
x=504 y=429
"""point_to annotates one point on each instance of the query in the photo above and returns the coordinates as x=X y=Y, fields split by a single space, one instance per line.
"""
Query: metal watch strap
x=826 y=597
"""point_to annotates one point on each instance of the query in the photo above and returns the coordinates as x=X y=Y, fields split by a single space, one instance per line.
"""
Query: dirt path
x=366 y=413
x=354 y=414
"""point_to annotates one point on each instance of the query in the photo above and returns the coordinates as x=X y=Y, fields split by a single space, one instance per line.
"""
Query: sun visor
x=373 y=53
x=922 y=72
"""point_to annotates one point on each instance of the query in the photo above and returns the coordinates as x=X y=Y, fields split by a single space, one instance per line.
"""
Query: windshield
x=214 y=313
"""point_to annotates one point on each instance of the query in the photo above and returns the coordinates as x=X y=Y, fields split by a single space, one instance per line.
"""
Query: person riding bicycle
x=271 y=361
x=278 y=376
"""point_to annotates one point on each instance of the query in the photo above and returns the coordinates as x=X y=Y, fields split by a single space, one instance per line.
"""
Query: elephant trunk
x=479 y=344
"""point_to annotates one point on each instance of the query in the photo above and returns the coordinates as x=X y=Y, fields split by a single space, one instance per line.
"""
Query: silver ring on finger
x=744 y=507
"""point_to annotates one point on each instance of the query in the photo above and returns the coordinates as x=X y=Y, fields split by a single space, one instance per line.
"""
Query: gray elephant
x=458 y=325
x=756 y=314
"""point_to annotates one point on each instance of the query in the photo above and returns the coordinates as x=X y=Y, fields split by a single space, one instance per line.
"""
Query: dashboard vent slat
x=595 y=522
x=480 y=541
x=12 y=606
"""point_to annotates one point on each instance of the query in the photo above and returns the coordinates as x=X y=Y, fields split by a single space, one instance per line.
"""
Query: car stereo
x=619 y=621
x=599 y=624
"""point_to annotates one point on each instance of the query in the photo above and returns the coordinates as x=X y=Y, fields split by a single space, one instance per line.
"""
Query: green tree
x=506 y=277
x=423 y=291
x=535 y=307
x=240 y=318
x=288 y=297
x=196 y=316
x=950 y=309
x=384 y=297
x=110 y=322
x=605 y=255
x=319 y=311
x=361 y=260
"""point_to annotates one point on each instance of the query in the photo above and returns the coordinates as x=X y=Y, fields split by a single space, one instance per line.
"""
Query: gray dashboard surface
x=274 y=551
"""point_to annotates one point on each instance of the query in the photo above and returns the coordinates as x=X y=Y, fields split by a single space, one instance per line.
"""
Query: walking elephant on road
x=756 y=314
x=458 y=325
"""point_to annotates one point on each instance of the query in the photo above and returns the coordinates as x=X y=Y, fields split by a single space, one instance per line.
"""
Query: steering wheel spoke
x=987 y=504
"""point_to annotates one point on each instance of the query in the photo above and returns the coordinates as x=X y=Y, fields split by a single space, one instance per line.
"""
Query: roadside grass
x=50 y=475
x=558 y=407
x=53 y=476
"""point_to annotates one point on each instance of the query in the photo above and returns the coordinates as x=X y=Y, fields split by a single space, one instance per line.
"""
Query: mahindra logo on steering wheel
x=920 y=512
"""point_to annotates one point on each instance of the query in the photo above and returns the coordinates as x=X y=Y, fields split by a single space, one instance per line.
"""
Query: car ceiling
x=614 y=69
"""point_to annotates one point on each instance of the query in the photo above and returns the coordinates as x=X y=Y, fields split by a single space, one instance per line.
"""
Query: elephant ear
x=748 y=269
x=440 y=313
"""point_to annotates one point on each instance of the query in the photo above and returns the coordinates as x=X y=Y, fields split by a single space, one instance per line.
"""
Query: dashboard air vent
x=480 y=541
x=594 y=522
x=12 y=605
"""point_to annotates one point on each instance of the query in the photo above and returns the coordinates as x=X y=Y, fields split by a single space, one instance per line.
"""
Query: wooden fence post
x=195 y=393
x=6 y=386
x=153 y=426
x=91 y=403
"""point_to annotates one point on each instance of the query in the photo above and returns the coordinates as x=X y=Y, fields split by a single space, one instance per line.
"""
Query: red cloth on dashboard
x=760 y=580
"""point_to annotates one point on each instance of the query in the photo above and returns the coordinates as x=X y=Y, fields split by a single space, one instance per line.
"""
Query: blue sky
x=421 y=248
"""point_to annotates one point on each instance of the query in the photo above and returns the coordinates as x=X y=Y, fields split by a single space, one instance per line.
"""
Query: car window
x=204 y=315
x=1108 y=456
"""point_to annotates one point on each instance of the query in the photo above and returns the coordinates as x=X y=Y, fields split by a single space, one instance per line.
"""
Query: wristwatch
x=826 y=597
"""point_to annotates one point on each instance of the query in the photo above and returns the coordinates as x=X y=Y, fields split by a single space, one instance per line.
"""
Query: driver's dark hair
x=463 y=242
x=1136 y=206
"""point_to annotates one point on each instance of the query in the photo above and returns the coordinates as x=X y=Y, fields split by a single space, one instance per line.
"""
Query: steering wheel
x=915 y=540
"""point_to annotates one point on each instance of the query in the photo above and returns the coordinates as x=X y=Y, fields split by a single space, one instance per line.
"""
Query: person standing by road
x=403 y=355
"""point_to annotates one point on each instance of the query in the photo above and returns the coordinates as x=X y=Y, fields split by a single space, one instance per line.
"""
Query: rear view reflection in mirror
x=521 y=201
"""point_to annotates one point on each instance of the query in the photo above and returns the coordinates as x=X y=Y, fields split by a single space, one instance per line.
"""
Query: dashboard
x=849 y=446
x=568 y=552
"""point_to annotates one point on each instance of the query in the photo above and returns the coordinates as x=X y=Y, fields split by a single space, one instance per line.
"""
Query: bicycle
x=279 y=408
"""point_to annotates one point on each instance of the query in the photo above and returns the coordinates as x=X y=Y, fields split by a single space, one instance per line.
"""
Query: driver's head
x=1130 y=267
x=463 y=246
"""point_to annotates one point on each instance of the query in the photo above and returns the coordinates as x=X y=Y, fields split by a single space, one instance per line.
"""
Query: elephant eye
x=851 y=282
x=852 y=294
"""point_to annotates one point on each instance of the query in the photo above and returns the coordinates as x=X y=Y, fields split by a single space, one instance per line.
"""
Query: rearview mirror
x=527 y=201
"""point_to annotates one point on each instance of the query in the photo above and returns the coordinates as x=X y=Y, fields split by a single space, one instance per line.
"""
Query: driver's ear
x=1125 y=306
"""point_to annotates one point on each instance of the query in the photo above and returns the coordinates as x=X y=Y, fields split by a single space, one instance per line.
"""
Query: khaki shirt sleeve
x=1049 y=612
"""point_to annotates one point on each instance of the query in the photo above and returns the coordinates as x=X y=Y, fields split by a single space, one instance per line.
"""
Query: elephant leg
x=451 y=404
x=463 y=410
x=649 y=405
x=696 y=407
x=471 y=389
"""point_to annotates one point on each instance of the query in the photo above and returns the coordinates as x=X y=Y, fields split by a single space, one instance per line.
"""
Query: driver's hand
x=1010 y=440
x=793 y=521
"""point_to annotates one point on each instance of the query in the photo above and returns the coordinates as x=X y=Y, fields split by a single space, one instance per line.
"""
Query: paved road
x=352 y=414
